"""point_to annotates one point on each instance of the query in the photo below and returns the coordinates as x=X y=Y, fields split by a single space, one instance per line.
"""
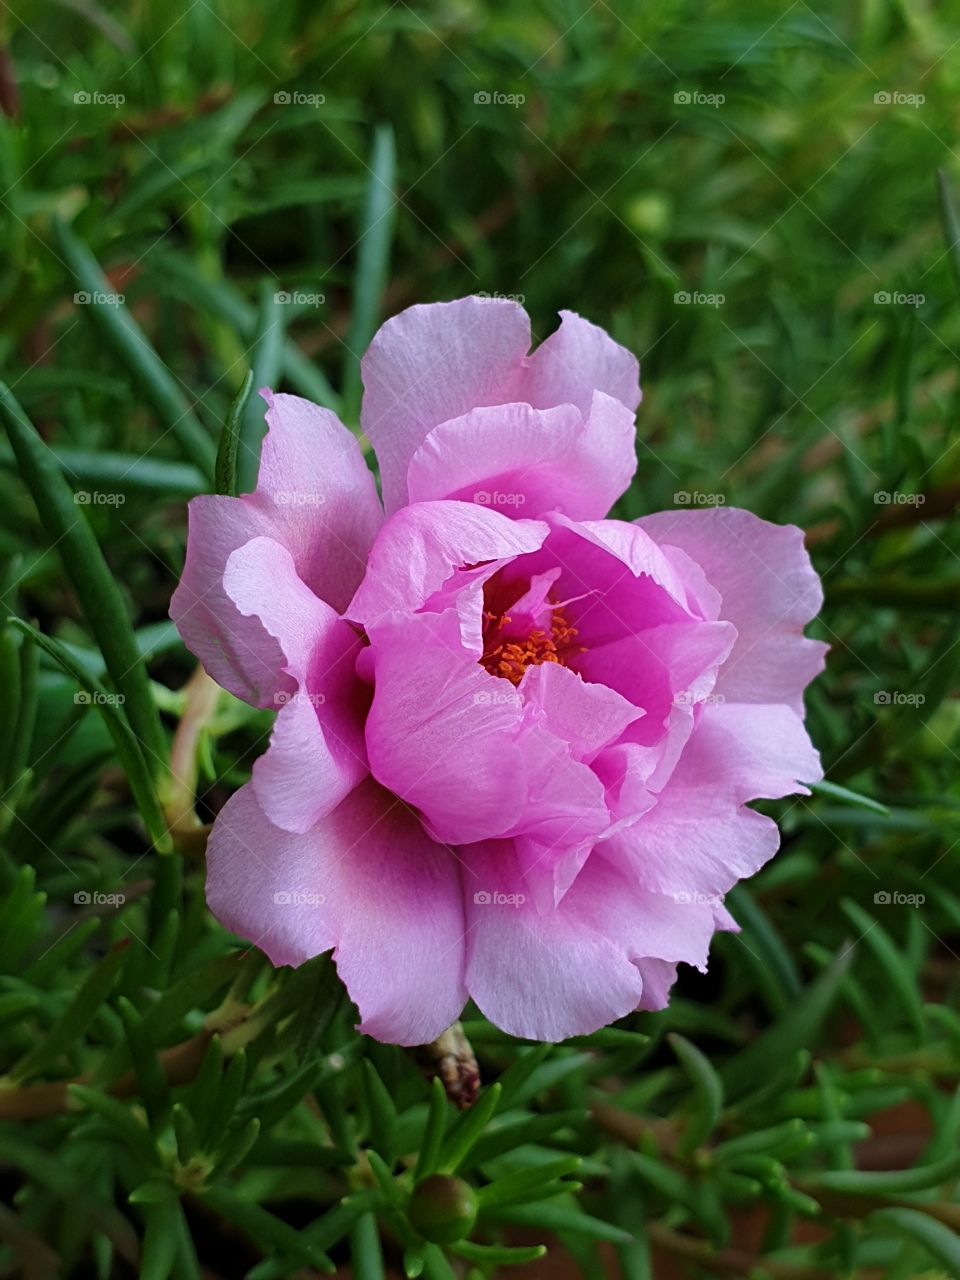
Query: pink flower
x=515 y=739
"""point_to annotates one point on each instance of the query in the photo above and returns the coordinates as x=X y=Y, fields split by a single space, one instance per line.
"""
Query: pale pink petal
x=316 y=755
x=584 y=715
x=769 y=590
x=524 y=461
x=366 y=881
x=542 y=976
x=316 y=496
x=576 y=360
x=323 y=495
x=566 y=972
x=236 y=651
x=422 y=546
x=442 y=732
x=698 y=839
x=433 y=363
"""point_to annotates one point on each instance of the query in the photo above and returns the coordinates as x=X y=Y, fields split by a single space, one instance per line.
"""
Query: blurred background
x=758 y=201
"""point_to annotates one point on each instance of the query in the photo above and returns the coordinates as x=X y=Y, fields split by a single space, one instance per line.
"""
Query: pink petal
x=568 y=971
x=542 y=976
x=441 y=732
x=576 y=360
x=525 y=461
x=698 y=839
x=769 y=590
x=421 y=547
x=317 y=497
x=323 y=494
x=432 y=363
x=236 y=651
x=316 y=755
x=366 y=881
x=587 y=716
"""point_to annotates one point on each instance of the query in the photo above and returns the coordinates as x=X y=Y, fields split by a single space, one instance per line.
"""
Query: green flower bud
x=442 y=1208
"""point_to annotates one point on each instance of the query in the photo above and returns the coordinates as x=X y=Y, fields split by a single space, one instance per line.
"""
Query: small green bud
x=442 y=1208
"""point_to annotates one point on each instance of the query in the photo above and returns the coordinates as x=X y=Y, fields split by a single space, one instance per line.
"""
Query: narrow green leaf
x=796 y=1029
x=467 y=1129
x=708 y=1088
x=74 y=1021
x=951 y=222
x=429 y=1153
x=855 y=1182
x=498 y=1255
x=836 y=792
x=266 y=367
x=131 y=758
x=265 y=1229
x=365 y=1249
x=938 y=1240
x=876 y=939
x=225 y=472
x=151 y=1081
x=160 y=389
x=373 y=261
x=93 y=581
x=383 y=1114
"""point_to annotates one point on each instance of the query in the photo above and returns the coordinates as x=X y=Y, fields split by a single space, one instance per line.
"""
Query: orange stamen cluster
x=511 y=658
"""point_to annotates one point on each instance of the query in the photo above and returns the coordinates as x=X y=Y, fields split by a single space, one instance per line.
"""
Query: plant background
x=795 y=1112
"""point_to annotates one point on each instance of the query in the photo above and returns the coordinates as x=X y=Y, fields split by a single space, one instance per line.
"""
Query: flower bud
x=442 y=1208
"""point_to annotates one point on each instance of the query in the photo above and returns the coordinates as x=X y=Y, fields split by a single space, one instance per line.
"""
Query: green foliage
x=203 y=225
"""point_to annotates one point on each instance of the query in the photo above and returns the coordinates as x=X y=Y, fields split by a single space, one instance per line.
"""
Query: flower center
x=510 y=657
